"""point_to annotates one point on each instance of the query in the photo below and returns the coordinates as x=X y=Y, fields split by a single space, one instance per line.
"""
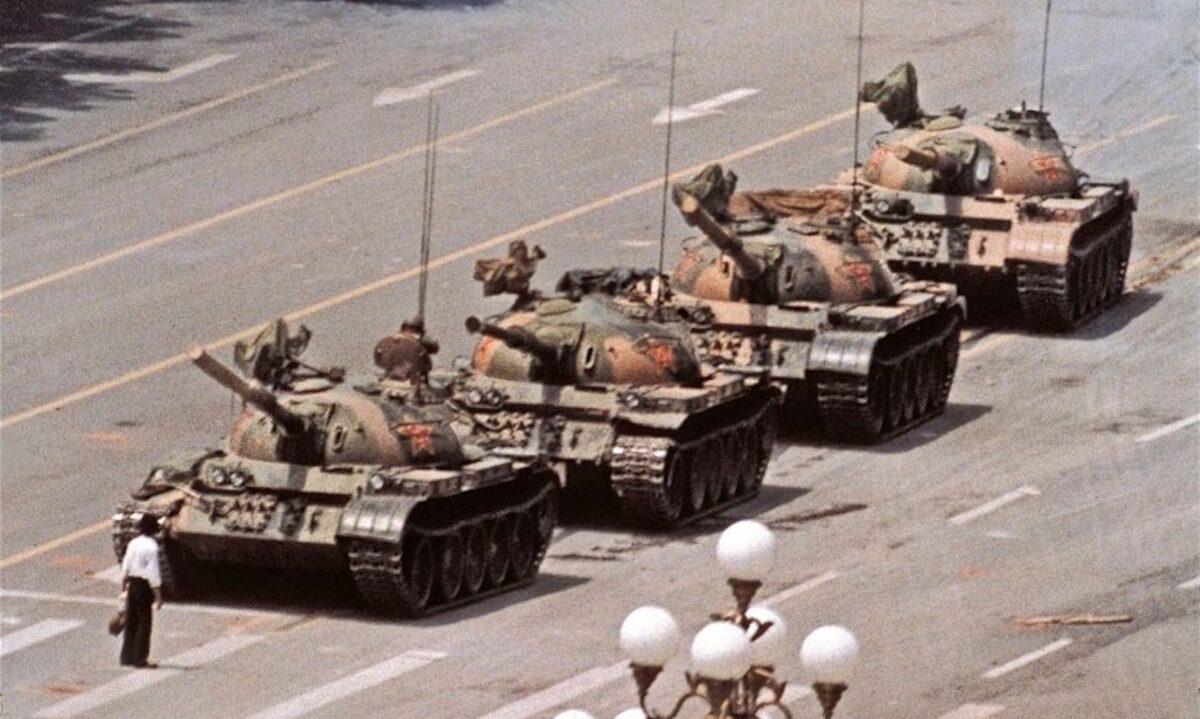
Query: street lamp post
x=733 y=658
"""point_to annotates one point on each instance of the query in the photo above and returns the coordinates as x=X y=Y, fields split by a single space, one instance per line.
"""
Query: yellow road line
x=165 y=120
x=296 y=191
x=53 y=544
x=383 y=282
x=1123 y=134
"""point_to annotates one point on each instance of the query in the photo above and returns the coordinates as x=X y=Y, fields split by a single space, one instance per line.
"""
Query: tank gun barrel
x=519 y=339
x=748 y=266
x=943 y=164
x=256 y=395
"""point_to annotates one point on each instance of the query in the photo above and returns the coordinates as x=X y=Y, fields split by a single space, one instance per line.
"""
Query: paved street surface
x=178 y=173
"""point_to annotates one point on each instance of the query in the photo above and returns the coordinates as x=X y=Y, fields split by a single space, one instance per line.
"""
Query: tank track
x=436 y=568
x=903 y=388
x=664 y=483
x=1059 y=298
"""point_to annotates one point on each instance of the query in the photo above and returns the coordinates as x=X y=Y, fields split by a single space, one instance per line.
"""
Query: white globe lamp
x=650 y=636
x=721 y=651
x=770 y=646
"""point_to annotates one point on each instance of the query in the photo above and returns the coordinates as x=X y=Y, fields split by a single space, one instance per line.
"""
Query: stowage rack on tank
x=444 y=565
x=664 y=481
x=868 y=389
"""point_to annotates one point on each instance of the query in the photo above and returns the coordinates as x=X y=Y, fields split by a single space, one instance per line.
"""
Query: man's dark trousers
x=139 y=617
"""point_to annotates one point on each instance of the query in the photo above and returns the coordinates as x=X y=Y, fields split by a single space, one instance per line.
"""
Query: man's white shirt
x=141 y=560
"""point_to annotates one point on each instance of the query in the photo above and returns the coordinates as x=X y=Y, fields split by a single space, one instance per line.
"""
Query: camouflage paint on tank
x=319 y=473
x=996 y=207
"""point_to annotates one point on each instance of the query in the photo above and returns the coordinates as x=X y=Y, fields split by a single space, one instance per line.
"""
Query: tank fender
x=843 y=352
x=1048 y=242
x=378 y=517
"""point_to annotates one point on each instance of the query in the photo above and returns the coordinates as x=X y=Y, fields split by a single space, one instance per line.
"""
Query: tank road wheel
x=895 y=397
x=927 y=384
x=733 y=463
x=698 y=478
x=499 y=538
x=750 y=451
x=523 y=550
x=418 y=567
x=714 y=471
x=1124 y=245
x=948 y=364
x=909 y=368
x=451 y=566
x=475 y=548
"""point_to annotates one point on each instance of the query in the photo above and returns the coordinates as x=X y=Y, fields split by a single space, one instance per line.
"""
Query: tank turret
x=256 y=395
x=751 y=261
x=748 y=266
x=517 y=338
x=588 y=341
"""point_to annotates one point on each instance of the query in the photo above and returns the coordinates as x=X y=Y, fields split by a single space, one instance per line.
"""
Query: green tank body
x=997 y=207
x=382 y=479
x=786 y=287
x=606 y=393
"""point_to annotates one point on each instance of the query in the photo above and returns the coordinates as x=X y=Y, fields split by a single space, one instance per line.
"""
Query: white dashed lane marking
x=1190 y=584
x=150 y=77
x=786 y=594
x=974 y=711
x=562 y=692
x=138 y=680
x=1026 y=659
x=34 y=633
x=997 y=503
x=704 y=107
x=329 y=693
x=396 y=95
x=1169 y=429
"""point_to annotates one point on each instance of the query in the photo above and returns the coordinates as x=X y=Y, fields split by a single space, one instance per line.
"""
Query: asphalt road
x=180 y=173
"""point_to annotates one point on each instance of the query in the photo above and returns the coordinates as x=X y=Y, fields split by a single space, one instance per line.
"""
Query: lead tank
x=804 y=296
x=996 y=207
x=379 y=479
x=612 y=396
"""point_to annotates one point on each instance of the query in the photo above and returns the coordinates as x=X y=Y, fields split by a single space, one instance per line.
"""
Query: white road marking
x=1190 y=584
x=974 y=711
x=1025 y=659
x=344 y=687
x=112 y=574
x=51 y=46
x=34 y=633
x=168 y=76
x=1168 y=429
x=1001 y=535
x=396 y=95
x=10 y=621
x=704 y=107
x=562 y=692
x=138 y=680
x=786 y=594
x=131 y=132
x=638 y=243
x=169 y=606
x=989 y=507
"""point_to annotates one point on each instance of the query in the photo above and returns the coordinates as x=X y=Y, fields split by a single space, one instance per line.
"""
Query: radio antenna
x=662 y=227
x=431 y=135
x=1045 y=48
x=857 y=111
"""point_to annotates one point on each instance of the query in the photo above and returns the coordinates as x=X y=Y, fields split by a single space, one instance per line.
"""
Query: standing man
x=142 y=582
